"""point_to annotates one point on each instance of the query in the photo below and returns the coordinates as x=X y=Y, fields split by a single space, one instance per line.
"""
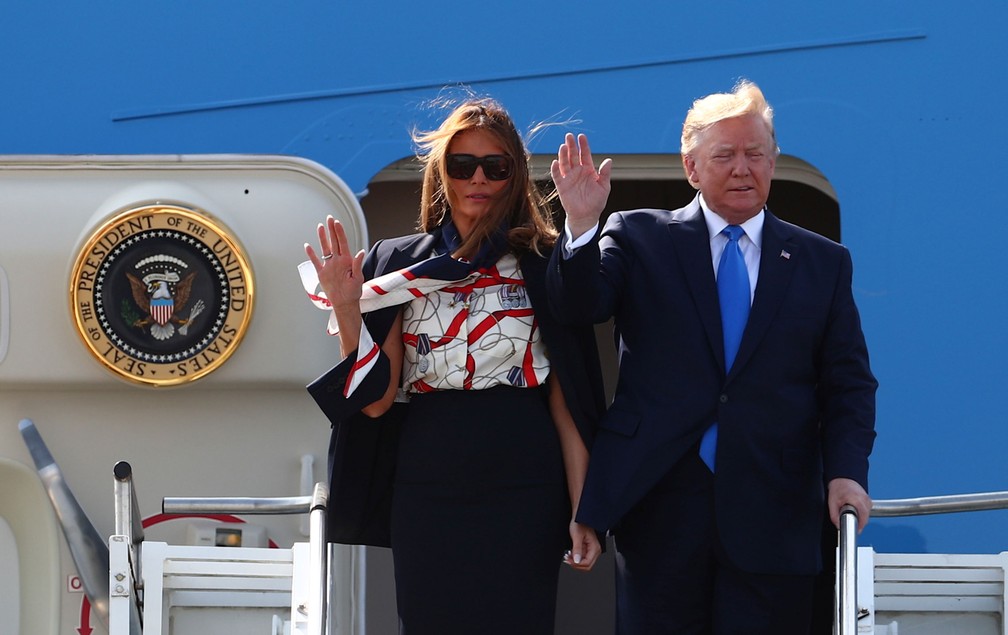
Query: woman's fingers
x=323 y=238
x=340 y=244
x=312 y=257
x=332 y=240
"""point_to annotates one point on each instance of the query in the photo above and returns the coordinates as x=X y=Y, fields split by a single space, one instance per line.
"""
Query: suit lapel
x=379 y=322
x=414 y=252
x=779 y=254
x=691 y=244
x=533 y=270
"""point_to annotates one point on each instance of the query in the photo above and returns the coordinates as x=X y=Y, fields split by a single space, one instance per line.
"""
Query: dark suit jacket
x=797 y=408
x=362 y=450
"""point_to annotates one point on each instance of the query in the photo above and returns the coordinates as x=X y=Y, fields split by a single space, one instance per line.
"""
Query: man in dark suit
x=739 y=411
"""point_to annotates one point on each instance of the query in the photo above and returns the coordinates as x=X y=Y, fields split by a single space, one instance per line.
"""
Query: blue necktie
x=733 y=295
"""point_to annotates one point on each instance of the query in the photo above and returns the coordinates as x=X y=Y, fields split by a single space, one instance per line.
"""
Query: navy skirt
x=479 y=514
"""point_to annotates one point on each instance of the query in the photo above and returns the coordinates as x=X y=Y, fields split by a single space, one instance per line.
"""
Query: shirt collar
x=715 y=224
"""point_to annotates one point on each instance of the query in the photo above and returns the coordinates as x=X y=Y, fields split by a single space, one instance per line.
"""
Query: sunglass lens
x=496 y=167
x=461 y=166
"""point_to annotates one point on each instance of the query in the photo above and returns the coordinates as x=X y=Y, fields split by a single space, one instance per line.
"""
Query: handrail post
x=89 y=551
x=127 y=511
x=846 y=585
x=319 y=559
x=129 y=525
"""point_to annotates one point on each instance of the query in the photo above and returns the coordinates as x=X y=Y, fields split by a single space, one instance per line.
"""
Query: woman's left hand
x=585 y=547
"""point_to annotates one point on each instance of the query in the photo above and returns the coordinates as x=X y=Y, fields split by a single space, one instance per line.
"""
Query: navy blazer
x=796 y=410
x=362 y=449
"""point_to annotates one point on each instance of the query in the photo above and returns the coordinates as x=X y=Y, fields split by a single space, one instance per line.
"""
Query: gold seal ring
x=161 y=295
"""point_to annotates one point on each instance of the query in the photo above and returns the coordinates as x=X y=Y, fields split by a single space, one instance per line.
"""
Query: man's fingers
x=571 y=150
x=555 y=172
x=563 y=159
x=584 y=150
x=604 y=172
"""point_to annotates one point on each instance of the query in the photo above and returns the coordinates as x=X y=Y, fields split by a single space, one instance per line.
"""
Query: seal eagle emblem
x=161 y=294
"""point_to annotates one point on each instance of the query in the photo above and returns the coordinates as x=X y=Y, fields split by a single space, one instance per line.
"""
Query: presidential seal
x=161 y=294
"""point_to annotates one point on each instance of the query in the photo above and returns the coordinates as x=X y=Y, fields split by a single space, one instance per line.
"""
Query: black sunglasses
x=496 y=167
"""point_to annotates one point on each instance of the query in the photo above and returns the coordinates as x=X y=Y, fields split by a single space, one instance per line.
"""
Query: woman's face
x=472 y=197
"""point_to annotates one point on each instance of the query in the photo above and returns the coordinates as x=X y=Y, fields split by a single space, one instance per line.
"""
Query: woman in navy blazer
x=735 y=549
x=494 y=403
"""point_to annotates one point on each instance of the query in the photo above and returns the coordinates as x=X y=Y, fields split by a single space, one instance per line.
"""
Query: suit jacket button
x=723 y=398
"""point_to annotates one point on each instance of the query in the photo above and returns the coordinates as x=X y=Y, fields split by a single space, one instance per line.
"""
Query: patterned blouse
x=475 y=336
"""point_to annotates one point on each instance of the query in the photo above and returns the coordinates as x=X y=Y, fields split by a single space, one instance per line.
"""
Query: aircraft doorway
x=800 y=194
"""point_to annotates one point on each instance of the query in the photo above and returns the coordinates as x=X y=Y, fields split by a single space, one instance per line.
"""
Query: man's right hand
x=583 y=190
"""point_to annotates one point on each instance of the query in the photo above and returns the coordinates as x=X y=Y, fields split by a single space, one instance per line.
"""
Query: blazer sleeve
x=846 y=390
x=574 y=356
x=586 y=287
x=573 y=351
x=327 y=390
x=362 y=450
x=573 y=282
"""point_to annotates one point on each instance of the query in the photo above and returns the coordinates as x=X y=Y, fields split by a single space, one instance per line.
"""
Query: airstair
x=876 y=593
x=920 y=593
x=160 y=589
x=155 y=588
x=136 y=586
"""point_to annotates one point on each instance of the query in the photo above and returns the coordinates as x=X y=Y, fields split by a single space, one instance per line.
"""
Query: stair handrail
x=128 y=523
x=948 y=504
x=847 y=611
x=318 y=557
x=846 y=584
x=315 y=505
x=271 y=505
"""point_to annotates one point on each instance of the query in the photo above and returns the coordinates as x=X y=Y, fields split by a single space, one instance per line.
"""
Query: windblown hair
x=745 y=99
x=522 y=208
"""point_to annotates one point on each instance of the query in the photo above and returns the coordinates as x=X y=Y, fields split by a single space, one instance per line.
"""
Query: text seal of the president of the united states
x=161 y=294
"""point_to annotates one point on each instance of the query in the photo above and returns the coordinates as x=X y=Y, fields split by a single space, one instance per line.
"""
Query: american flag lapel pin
x=786 y=255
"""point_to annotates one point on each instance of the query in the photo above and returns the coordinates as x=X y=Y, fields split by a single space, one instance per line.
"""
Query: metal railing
x=318 y=556
x=240 y=505
x=847 y=612
x=317 y=608
x=128 y=523
x=939 y=504
x=846 y=586
x=88 y=550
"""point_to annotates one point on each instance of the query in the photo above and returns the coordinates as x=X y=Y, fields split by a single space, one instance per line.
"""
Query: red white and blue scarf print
x=404 y=285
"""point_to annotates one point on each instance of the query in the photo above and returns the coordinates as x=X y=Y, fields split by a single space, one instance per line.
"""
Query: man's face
x=733 y=166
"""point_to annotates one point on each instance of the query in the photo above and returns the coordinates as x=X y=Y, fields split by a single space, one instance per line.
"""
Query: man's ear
x=689 y=166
